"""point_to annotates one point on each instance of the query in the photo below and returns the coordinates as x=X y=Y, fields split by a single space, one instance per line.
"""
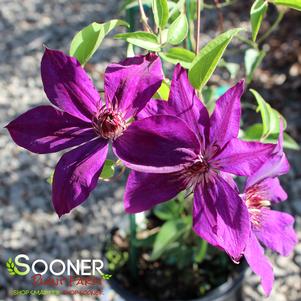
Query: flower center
x=197 y=172
x=109 y=124
x=257 y=206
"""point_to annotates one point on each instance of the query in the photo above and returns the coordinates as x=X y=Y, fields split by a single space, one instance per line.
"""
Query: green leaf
x=295 y=4
x=147 y=242
x=232 y=68
x=178 y=30
x=289 y=142
x=50 y=178
x=253 y=59
x=130 y=52
x=141 y=39
x=205 y=63
x=201 y=250
x=179 y=7
x=257 y=14
x=86 y=42
x=178 y=55
x=170 y=232
x=163 y=91
x=161 y=13
x=270 y=117
x=168 y=210
x=108 y=170
x=254 y=133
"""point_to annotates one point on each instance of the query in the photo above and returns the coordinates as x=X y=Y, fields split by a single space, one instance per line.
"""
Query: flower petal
x=276 y=165
x=158 y=144
x=46 y=130
x=129 y=85
x=186 y=104
x=225 y=119
x=259 y=264
x=68 y=86
x=76 y=175
x=277 y=232
x=183 y=103
x=242 y=158
x=221 y=217
x=156 y=107
x=270 y=190
x=144 y=190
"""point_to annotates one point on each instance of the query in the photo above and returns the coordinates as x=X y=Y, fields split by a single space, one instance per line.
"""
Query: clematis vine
x=219 y=214
x=271 y=228
x=79 y=118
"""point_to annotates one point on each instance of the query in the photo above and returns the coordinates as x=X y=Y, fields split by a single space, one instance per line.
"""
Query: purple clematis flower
x=272 y=228
x=79 y=118
x=219 y=215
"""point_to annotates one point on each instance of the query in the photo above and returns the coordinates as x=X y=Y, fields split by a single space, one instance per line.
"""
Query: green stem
x=133 y=254
x=248 y=42
x=198 y=27
x=143 y=16
x=189 y=43
x=272 y=28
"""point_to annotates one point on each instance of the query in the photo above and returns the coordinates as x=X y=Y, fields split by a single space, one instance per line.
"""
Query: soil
x=185 y=283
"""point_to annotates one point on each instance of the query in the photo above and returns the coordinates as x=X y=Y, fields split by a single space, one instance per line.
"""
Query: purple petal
x=225 y=120
x=144 y=190
x=129 y=85
x=276 y=165
x=277 y=231
x=242 y=158
x=45 y=130
x=76 y=175
x=183 y=103
x=270 y=190
x=68 y=86
x=156 y=107
x=221 y=217
x=159 y=144
x=229 y=179
x=259 y=264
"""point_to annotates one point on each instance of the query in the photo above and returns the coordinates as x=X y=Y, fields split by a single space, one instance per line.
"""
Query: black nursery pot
x=229 y=291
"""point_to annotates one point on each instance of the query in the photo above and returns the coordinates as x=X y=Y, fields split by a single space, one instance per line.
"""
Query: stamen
x=197 y=172
x=257 y=205
x=109 y=123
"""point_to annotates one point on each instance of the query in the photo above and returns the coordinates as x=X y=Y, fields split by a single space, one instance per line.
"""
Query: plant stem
x=272 y=28
x=247 y=41
x=133 y=255
x=187 y=12
x=220 y=16
x=198 y=27
x=144 y=18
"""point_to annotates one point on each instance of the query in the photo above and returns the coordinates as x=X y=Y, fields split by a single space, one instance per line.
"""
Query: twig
x=220 y=15
x=198 y=27
x=144 y=18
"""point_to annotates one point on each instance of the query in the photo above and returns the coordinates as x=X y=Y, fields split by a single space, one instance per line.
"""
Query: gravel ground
x=27 y=221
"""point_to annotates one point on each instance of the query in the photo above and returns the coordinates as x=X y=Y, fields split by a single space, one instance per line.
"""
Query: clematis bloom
x=271 y=228
x=219 y=214
x=79 y=118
